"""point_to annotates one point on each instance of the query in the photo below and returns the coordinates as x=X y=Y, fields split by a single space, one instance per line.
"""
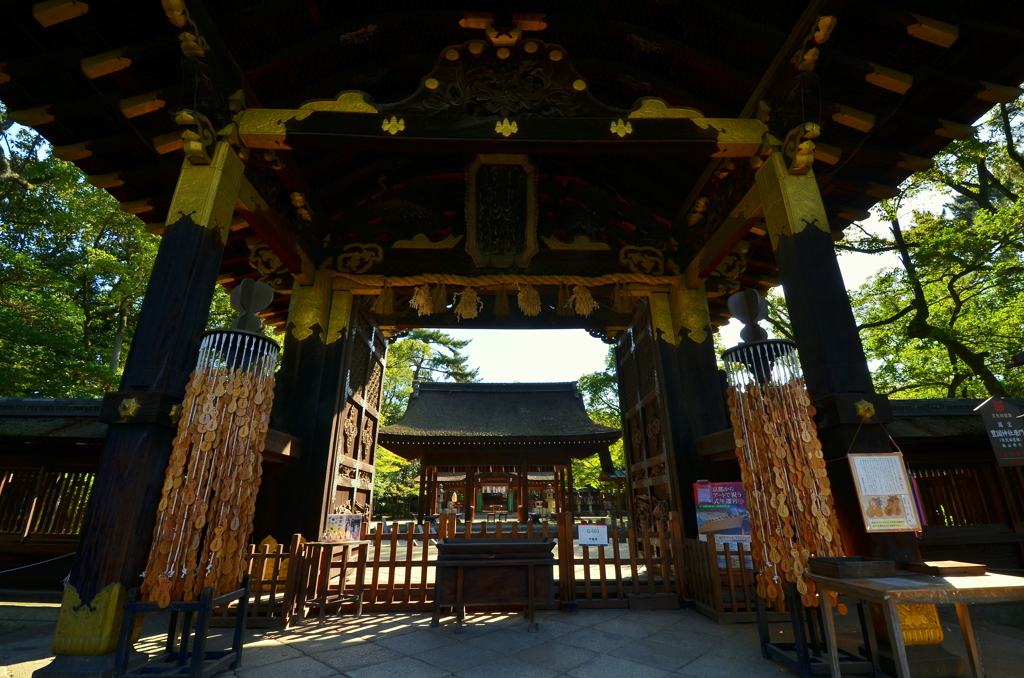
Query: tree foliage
x=73 y=270
x=601 y=398
x=945 y=322
x=425 y=355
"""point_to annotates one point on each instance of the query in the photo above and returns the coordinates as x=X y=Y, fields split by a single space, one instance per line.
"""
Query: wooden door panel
x=651 y=493
x=358 y=422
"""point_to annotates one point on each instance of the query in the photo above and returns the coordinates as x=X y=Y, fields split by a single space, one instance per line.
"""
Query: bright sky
x=533 y=355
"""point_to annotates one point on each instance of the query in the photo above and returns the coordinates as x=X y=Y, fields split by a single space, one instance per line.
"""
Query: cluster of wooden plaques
x=788 y=491
x=204 y=518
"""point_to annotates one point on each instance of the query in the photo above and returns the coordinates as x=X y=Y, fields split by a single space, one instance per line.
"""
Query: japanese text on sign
x=1005 y=431
x=593 y=535
x=884 y=493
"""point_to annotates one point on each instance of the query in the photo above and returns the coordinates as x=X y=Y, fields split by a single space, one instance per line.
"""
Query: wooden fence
x=43 y=504
x=636 y=565
x=400 y=572
x=721 y=583
x=273 y=586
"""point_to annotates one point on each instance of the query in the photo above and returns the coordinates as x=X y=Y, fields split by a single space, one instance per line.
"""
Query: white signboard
x=593 y=535
x=886 y=501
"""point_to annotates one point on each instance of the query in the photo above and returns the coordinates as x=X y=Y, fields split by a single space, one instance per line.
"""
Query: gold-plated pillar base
x=89 y=629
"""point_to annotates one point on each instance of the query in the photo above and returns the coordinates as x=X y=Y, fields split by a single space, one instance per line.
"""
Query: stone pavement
x=588 y=644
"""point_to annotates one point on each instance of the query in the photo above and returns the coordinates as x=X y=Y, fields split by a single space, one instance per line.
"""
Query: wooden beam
x=997 y=94
x=861 y=121
x=888 y=78
x=719 y=441
x=106 y=63
x=915 y=25
x=140 y=104
x=270 y=226
x=54 y=12
x=730 y=232
x=277 y=129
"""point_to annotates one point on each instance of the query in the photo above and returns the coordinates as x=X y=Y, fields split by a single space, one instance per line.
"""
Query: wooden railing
x=636 y=564
x=43 y=503
x=721 y=583
x=273 y=586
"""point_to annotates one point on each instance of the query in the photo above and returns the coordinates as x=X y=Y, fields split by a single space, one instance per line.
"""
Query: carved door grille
x=358 y=421
x=649 y=453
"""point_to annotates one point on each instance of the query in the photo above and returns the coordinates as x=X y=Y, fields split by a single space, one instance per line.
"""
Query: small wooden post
x=522 y=494
x=570 y=492
x=422 y=494
x=470 y=500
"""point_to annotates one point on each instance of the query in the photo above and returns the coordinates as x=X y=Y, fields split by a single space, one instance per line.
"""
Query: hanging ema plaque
x=1005 y=430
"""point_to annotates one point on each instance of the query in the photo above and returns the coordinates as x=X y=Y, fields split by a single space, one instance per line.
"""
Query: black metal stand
x=182 y=657
x=807 y=654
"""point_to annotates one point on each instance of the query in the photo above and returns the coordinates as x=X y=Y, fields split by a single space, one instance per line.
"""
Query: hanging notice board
x=1005 y=430
x=886 y=500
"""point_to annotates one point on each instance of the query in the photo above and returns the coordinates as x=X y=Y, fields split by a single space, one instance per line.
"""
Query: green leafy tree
x=601 y=398
x=946 y=321
x=425 y=355
x=73 y=271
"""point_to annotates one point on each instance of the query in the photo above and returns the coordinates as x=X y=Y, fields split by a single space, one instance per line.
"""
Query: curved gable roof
x=541 y=411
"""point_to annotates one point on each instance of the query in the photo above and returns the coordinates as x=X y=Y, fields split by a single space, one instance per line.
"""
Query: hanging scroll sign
x=886 y=500
x=1005 y=430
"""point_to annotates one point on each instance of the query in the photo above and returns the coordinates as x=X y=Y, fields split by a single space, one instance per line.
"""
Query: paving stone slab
x=507 y=641
x=416 y=642
x=510 y=668
x=461 y=656
x=406 y=667
x=625 y=626
x=604 y=666
x=592 y=639
x=658 y=655
x=266 y=651
x=299 y=667
x=711 y=666
x=555 y=656
x=591 y=617
x=358 y=656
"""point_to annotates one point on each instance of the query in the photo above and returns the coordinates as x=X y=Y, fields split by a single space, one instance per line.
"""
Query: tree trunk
x=115 y=356
x=920 y=329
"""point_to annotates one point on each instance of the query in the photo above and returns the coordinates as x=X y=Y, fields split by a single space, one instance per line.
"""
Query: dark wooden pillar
x=118 y=527
x=835 y=369
x=694 y=402
x=310 y=397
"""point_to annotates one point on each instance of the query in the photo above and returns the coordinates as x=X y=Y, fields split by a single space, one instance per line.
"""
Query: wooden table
x=918 y=589
x=318 y=565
